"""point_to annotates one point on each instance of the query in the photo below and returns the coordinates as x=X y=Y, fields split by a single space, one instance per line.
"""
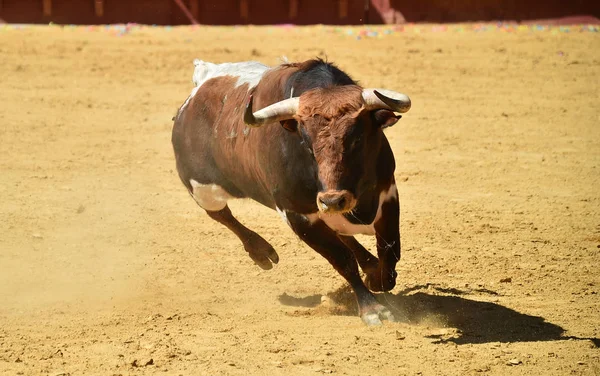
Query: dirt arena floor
x=107 y=266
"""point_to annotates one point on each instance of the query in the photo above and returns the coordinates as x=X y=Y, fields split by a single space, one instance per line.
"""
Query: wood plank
x=244 y=9
x=99 y=7
x=195 y=8
x=343 y=9
x=186 y=11
x=293 y=9
x=47 y=7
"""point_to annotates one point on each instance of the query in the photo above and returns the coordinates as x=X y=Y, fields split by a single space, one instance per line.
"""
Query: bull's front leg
x=387 y=230
x=326 y=242
x=367 y=262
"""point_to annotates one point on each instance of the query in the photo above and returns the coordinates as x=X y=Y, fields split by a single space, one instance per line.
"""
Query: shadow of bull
x=475 y=321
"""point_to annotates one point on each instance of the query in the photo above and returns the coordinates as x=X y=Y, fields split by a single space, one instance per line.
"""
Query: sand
x=107 y=266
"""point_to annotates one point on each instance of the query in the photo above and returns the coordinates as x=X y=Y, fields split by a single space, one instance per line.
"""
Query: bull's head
x=342 y=128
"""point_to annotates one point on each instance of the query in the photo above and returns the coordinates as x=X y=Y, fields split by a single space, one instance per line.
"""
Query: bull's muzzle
x=332 y=202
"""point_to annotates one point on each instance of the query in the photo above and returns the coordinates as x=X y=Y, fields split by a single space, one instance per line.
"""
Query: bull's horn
x=282 y=110
x=386 y=99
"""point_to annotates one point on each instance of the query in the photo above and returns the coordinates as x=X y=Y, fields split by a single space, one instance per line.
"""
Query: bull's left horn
x=386 y=99
x=282 y=110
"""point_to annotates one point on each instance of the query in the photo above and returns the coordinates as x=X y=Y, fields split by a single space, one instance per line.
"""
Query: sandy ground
x=107 y=267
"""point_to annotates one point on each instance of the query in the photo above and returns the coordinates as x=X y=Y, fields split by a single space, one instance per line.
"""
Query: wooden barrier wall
x=229 y=12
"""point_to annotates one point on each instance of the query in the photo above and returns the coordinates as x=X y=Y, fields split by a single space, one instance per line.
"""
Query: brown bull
x=320 y=158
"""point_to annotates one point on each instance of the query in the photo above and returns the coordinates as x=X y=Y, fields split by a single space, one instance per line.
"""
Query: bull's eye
x=290 y=125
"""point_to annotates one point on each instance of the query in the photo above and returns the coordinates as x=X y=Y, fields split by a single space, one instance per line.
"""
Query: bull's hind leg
x=213 y=199
x=326 y=242
x=260 y=251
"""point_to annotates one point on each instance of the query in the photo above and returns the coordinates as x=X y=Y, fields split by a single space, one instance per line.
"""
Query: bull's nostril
x=333 y=202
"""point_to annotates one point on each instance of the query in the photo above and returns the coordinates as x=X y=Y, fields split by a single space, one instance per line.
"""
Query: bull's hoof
x=377 y=281
x=374 y=315
x=261 y=252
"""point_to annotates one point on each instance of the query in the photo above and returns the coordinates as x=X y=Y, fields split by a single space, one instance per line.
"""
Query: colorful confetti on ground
x=358 y=32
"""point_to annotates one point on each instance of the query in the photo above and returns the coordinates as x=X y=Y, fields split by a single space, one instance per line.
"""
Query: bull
x=305 y=140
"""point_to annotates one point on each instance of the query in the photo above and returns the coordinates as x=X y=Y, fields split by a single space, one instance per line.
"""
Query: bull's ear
x=289 y=125
x=385 y=118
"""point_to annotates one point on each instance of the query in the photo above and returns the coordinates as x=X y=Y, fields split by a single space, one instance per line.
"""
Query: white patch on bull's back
x=342 y=226
x=209 y=196
x=247 y=72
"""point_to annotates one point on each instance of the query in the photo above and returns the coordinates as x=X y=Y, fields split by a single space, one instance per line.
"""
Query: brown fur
x=329 y=114
x=336 y=150
x=332 y=102
x=272 y=85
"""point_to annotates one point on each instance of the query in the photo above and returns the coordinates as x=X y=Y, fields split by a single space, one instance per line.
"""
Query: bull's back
x=207 y=125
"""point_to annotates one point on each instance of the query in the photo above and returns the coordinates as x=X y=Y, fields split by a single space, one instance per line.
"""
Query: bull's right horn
x=282 y=110
x=386 y=99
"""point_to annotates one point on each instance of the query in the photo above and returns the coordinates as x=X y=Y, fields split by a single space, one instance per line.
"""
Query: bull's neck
x=275 y=86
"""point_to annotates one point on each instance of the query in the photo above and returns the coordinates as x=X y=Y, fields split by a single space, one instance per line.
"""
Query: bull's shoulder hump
x=247 y=72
